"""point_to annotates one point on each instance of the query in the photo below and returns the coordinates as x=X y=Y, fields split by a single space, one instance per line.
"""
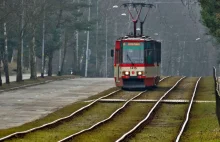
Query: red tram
x=137 y=61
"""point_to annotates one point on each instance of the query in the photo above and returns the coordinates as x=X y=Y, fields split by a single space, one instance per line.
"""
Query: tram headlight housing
x=127 y=73
x=140 y=73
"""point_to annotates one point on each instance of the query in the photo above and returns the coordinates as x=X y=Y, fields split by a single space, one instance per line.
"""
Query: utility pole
x=106 y=46
x=77 y=46
x=87 y=46
x=129 y=18
x=60 y=58
x=22 y=36
x=43 y=44
x=97 y=34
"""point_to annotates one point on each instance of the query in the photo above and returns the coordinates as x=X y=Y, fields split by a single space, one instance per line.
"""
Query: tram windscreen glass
x=133 y=52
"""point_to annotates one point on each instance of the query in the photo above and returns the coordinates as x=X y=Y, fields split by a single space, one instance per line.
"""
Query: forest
x=76 y=36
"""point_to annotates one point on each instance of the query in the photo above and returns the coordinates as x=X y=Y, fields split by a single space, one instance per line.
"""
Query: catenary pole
x=106 y=46
x=87 y=46
x=43 y=44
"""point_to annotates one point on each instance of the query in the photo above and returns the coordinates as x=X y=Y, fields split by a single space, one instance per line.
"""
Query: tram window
x=158 y=48
x=155 y=55
x=117 y=56
x=150 y=56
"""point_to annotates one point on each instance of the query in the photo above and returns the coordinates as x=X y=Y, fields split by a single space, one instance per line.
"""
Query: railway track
x=139 y=126
x=69 y=138
x=188 y=112
x=52 y=124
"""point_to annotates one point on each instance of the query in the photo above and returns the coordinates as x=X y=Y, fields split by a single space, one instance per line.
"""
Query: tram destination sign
x=132 y=44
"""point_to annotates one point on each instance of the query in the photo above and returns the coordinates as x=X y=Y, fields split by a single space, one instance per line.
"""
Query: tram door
x=117 y=69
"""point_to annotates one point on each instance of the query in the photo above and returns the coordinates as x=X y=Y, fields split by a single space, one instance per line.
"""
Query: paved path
x=22 y=106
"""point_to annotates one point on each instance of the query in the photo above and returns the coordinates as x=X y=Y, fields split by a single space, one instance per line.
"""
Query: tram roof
x=141 y=39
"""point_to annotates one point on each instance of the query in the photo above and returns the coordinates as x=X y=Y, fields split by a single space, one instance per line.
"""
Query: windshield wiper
x=130 y=59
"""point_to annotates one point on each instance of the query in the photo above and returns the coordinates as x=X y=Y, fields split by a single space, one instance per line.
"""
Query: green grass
x=161 y=89
x=206 y=89
x=120 y=124
x=183 y=90
x=53 y=116
x=203 y=124
x=164 y=126
x=82 y=121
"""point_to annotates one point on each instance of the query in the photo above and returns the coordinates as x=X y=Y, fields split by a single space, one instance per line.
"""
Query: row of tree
x=211 y=18
x=30 y=26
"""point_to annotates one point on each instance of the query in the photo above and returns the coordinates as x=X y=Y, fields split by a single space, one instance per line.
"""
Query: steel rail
x=56 y=121
x=103 y=121
x=164 y=78
x=188 y=112
x=149 y=114
x=16 y=134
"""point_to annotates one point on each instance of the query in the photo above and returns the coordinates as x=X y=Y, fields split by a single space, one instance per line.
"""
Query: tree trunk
x=76 y=52
x=65 y=49
x=33 y=56
x=0 y=69
x=5 y=60
x=19 y=66
x=50 y=67
x=19 y=60
x=20 y=56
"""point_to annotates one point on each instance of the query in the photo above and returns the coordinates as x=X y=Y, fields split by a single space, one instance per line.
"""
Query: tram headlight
x=126 y=73
x=139 y=73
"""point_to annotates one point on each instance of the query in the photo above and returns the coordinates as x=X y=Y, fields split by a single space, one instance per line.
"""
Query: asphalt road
x=21 y=106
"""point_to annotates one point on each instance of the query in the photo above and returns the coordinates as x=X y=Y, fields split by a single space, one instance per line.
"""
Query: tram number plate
x=133 y=68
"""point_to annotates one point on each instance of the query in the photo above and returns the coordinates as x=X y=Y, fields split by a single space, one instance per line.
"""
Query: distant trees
x=24 y=22
x=211 y=16
x=27 y=26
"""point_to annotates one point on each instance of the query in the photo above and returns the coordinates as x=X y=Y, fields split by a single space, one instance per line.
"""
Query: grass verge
x=203 y=123
x=82 y=121
x=206 y=89
x=27 y=82
x=53 y=116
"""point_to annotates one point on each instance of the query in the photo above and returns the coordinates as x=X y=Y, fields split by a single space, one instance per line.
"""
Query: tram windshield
x=133 y=52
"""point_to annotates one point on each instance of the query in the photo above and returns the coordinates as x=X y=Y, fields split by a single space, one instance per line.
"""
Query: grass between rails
x=82 y=121
x=116 y=127
x=206 y=89
x=184 y=90
x=56 y=115
x=169 y=117
x=203 y=124
x=164 y=126
x=163 y=86
x=6 y=87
